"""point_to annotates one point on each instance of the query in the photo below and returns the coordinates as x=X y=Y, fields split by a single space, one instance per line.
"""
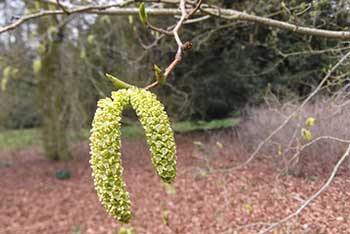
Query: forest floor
x=33 y=200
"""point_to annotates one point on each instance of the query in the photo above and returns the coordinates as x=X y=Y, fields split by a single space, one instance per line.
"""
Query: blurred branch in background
x=228 y=14
x=311 y=198
x=292 y=115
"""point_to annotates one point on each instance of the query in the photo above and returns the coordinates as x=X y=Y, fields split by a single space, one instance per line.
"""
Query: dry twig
x=289 y=117
x=312 y=198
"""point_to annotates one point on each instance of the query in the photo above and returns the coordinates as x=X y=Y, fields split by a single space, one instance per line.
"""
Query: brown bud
x=187 y=45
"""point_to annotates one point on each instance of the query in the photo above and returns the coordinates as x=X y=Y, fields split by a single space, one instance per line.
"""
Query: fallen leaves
x=32 y=200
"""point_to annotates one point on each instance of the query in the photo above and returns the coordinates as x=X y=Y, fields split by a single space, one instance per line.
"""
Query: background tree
x=287 y=63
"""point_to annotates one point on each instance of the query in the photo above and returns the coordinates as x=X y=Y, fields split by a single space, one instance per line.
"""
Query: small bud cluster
x=105 y=146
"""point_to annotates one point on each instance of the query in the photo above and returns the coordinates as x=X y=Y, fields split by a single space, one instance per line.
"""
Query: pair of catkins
x=105 y=145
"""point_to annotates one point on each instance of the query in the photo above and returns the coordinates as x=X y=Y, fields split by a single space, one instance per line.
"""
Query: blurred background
x=53 y=68
x=234 y=86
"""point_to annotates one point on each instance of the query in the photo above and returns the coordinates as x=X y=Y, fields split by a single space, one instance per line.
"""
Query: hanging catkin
x=105 y=160
x=105 y=146
x=159 y=134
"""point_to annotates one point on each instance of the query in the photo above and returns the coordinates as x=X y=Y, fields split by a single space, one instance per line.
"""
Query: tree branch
x=297 y=154
x=238 y=15
x=118 y=9
x=181 y=46
x=88 y=10
x=62 y=7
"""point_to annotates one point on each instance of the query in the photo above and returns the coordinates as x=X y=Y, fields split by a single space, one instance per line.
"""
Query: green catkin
x=105 y=146
x=105 y=160
x=159 y=134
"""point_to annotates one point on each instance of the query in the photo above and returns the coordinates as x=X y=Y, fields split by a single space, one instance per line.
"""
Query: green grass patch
x=190 y=126
x=20 y=139
x=135 y=131
x=24 y=138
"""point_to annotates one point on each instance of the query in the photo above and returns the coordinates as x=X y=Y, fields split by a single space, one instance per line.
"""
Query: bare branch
x=181 y=46
x=195 y=9
x=287 y=119
x=196 y=20
x=88 y=10
x=160 y=30
x=118 y=9
x=62 y=7
x=313 y=197
x=238 y=15
x=296 y=155
x=179 y=24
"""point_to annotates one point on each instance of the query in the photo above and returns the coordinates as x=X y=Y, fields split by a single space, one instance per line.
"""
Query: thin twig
x=286 y=121
x=179 y=24
x=181 y=46
x=307 y=145
x=157 y=29
x=62 y=7
x=195 y=9
x=196 y=20
x=312 y=198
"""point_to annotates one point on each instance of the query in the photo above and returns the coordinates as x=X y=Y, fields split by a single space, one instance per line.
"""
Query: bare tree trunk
x=52 y=104
x=51 y=96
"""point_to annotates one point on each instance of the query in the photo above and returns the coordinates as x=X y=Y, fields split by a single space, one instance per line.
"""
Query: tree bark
x=51 y=95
